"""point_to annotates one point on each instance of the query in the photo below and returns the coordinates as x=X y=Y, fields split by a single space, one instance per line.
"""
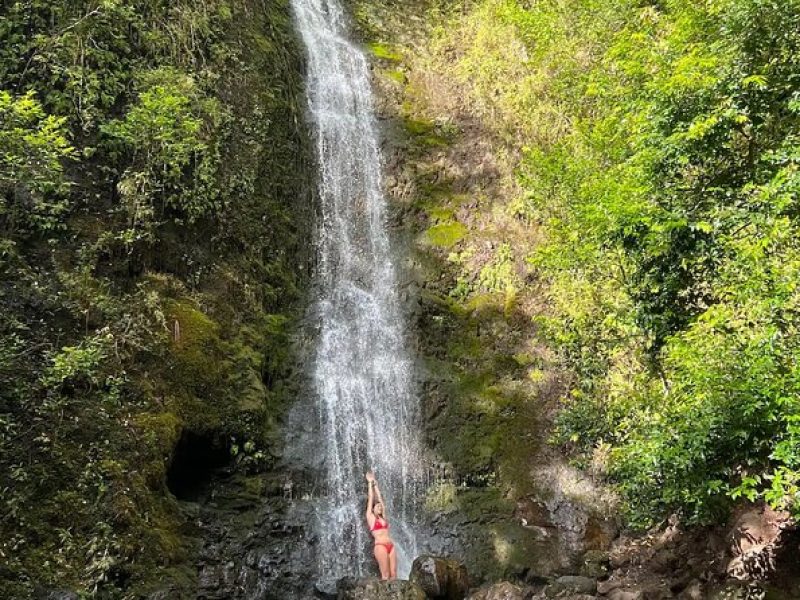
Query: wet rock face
x=372 y=588
x=256 y=542
x=494 y=545
x=440 y=578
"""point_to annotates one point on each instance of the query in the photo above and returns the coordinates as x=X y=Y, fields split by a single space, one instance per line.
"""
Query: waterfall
x=362 y=372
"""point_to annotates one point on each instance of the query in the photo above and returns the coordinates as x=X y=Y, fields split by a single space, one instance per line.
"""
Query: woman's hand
x=370 y=476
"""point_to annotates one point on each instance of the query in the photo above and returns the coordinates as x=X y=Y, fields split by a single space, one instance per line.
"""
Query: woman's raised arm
x=380 y=499
x=370 y=498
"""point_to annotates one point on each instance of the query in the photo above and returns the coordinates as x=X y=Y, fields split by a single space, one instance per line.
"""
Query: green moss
x=419 y=127
x=397 y=75
x=384 y=52
x=199 y=358
x=481 y=502
x=486 y=304
x=445 y=235
x=254 y=486
x=160 y=430
x=441 y=497
x=442 y=303
x=194 y=327
x=440 y=213
x=425 y=133
x=464 y=347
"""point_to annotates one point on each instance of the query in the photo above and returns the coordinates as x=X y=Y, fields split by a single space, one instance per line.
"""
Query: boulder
x=60 y=595
x=571 y=584
x=500 y=591
x=755 y=539
x=693 y=591
x=595 y=564
x=372 y=588
x=440 y=578
x=620 y=594
x=326 y=587
x=604 y=588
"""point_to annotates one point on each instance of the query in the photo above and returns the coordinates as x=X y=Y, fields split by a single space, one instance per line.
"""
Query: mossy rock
x=396 y=75
x=384 y=52
x=161 y=430
x=445 y=235
x=440 y=213
x=425 y=133
x=487 y=305
x=191 y=327
x=196 y=347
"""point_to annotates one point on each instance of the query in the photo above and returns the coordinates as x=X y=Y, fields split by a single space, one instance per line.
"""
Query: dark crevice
x=198 y=457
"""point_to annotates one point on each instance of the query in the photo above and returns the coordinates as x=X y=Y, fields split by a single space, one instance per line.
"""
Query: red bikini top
x=378 y=525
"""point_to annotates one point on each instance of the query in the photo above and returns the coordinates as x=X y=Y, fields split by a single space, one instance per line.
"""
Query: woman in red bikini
x=385 y=553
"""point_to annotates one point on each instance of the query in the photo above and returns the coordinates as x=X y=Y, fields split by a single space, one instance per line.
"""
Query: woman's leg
x=383 y=560
x=393 y=564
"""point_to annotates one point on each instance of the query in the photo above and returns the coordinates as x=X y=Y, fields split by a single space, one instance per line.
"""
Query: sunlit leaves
x=671 y=206
x=167 y=134
x=33 y=146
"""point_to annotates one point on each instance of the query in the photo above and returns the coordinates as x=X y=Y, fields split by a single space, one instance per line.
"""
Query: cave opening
x=198 y=457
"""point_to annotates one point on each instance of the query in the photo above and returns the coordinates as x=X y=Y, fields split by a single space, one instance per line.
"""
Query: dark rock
x=440 y=578
x=693 y=591
x=733 y=590
x=326 y=588
x=209 y=578
x=664 y=561
x=596 y=564
x=571 y=584
x=655 y=591
x=606 y=587
x=501 y=591
x=60 y=595
x=372 y=588
x=533 y=578
x=680 y=582
x=620 y=594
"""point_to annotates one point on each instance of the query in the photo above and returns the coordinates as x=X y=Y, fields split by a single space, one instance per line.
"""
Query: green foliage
x=172 y=166
x=76 y=363
x=152 y=172
x=34 y=144
x=661 y=157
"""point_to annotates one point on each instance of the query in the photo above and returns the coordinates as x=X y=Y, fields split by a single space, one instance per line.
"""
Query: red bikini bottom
x=388 y=545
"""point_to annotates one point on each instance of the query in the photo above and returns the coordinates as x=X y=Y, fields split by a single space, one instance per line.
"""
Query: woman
x=385 y=552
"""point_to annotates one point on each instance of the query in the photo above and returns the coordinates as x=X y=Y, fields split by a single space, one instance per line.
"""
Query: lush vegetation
x=152 y=226
x=660 y=153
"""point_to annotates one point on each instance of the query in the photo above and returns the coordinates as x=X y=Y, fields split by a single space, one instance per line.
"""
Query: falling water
x=362 y=372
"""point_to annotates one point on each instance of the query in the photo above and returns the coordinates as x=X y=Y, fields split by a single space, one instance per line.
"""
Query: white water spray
x=362 y=374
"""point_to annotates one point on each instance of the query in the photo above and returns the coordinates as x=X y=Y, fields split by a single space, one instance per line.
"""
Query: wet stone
x=209 y=578
x=500 y=591
x=440 y=578
x=326 y=588
x=372 y=588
